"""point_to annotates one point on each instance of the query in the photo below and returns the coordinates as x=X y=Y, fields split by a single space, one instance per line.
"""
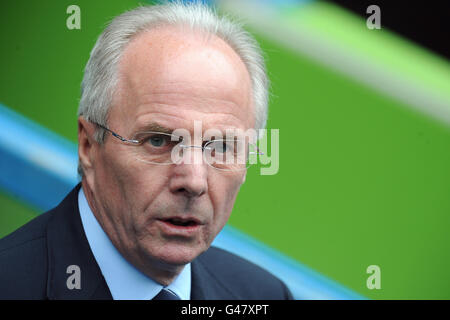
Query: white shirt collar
x=125 y=282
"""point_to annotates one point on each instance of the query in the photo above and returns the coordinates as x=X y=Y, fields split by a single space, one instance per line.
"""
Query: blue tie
x=166 y=294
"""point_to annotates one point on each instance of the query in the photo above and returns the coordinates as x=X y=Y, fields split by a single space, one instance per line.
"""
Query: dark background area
x=424 y=22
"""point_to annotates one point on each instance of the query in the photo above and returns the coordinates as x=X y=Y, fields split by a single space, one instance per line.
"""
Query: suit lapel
x=198 y=286
x=205 y=286
x=68 y=246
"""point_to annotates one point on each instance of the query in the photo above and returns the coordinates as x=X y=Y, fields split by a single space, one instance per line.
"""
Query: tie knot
x=166 y=294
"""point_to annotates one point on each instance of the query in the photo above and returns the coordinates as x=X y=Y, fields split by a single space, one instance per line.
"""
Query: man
x=140 y=224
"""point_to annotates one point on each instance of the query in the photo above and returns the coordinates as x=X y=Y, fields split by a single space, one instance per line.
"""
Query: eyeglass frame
x=137 y=143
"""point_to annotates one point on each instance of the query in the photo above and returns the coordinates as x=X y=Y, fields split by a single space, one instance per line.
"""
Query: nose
x=190 y=177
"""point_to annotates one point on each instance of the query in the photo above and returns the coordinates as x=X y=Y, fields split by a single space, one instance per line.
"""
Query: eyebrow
x=154 y=126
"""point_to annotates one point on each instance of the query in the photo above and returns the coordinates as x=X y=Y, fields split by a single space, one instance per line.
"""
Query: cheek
x=125 y=172
x=138 y=183
x=141 y=186
x=118 y=170
x=223 y=194
x=109 y=187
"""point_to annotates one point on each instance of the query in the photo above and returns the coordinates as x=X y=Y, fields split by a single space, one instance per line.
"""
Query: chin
x=177 y=254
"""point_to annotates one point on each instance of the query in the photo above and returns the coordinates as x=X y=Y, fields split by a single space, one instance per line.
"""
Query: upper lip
x=183 y=219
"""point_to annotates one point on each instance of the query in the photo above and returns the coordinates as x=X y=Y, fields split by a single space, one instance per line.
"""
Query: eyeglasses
x=164 y=148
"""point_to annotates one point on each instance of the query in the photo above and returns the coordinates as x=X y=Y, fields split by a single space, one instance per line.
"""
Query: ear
x=86 y=144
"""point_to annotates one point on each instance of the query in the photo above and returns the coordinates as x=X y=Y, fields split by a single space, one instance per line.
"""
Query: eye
x=158 y=140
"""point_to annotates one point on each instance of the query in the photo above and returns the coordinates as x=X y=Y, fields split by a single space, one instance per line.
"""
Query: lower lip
x=172 y=229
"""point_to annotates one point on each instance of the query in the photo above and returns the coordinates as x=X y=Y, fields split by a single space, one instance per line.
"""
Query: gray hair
x=100 y=75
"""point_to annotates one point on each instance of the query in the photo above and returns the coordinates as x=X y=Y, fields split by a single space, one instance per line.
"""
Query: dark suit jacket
x=34 y=261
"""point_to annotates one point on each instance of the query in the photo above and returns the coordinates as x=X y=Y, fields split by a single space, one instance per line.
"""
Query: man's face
x=171 y=79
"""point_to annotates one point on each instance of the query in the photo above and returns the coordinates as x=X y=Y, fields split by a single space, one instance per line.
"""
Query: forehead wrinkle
x=180 y=101
x=208 y=96
x=152 y=103
x=209 y=105
x=141 y=121
x=175 y=112
x=191 y=90
x=180 y=86
x=189 y=95
x=194 y=95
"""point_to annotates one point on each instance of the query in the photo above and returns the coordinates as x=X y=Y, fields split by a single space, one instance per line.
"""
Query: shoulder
x=241 y=277
x=23 y=261
x=32 y=231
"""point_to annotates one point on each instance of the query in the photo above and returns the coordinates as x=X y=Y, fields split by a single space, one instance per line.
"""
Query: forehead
x=175 y=77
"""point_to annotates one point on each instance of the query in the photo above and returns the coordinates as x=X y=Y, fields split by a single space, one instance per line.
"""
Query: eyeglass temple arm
x=116 y=135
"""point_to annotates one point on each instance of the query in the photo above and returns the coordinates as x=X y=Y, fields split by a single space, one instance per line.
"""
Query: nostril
x=188 y=181
x=190 y=193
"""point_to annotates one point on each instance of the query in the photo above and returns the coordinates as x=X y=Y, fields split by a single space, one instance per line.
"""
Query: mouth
x=180 y=225
x=181 y=222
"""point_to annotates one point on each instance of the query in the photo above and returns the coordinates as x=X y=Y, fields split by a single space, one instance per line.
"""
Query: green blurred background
x=364 y=178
